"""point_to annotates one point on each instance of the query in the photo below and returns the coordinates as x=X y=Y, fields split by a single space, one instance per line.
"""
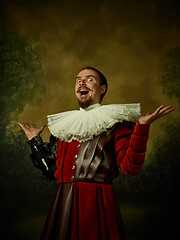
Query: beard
x=85 y=103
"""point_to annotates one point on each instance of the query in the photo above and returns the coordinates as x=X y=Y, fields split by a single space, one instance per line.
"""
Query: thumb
x=42 y=127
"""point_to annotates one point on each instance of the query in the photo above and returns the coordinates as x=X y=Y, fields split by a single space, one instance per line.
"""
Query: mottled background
x=43 y=44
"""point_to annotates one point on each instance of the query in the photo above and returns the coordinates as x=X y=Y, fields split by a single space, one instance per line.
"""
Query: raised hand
x=31 y=131
x=159 y=112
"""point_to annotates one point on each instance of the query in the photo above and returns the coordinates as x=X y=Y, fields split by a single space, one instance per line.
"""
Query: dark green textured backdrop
x=43 y=44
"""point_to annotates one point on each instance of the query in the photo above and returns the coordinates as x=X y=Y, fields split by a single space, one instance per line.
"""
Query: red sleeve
x=130 y=147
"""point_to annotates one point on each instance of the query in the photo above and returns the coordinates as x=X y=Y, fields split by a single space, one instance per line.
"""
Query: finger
x=166 y=109
x=161 y=110
x=42 y=127
x=22 y=125
x=158 y=109
x=166 y=112
x=26 y=126
x=163 y=113
x=32 y=125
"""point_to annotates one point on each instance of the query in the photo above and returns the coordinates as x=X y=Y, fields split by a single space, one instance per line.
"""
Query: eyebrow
x=86 y=76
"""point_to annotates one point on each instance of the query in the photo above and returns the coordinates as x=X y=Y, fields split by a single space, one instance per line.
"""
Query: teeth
x=83 y=90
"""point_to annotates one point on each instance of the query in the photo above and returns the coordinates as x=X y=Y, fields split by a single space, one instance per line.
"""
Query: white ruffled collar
x=84 y=124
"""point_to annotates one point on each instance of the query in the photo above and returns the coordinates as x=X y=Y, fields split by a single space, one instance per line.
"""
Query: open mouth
x=83 y=92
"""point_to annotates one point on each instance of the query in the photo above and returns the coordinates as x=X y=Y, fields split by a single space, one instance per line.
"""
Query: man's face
x=88 y=89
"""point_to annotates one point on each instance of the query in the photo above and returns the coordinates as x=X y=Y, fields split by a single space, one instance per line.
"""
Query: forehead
x=87 y=72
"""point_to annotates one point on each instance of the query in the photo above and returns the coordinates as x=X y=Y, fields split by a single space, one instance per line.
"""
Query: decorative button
x=73 y=167
x=76 y=156
x=79 y=145
x=72 y=177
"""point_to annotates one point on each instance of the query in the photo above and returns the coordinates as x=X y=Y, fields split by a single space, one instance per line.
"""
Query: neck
x=90 y=107
x=85 y=105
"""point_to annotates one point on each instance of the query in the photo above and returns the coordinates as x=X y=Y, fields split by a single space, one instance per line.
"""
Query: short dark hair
x=103 y=80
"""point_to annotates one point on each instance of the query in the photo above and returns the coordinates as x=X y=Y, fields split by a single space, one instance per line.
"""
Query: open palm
x=159 y=112
x=31 y=131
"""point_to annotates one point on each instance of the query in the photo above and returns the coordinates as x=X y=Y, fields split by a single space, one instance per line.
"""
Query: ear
x=103 y=89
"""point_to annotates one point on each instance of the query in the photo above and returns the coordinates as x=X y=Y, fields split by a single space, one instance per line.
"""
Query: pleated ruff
x=84 y=211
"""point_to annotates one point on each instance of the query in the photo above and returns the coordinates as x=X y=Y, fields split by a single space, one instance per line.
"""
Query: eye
x=78 y=81
x=90 y=79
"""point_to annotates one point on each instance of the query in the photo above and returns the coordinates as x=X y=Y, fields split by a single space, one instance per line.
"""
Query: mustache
x=85 y=88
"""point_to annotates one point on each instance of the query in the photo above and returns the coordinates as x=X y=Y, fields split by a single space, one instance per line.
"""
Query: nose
x=83 y=82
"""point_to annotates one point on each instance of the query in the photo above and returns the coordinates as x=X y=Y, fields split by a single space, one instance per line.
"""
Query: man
x=88 y=146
